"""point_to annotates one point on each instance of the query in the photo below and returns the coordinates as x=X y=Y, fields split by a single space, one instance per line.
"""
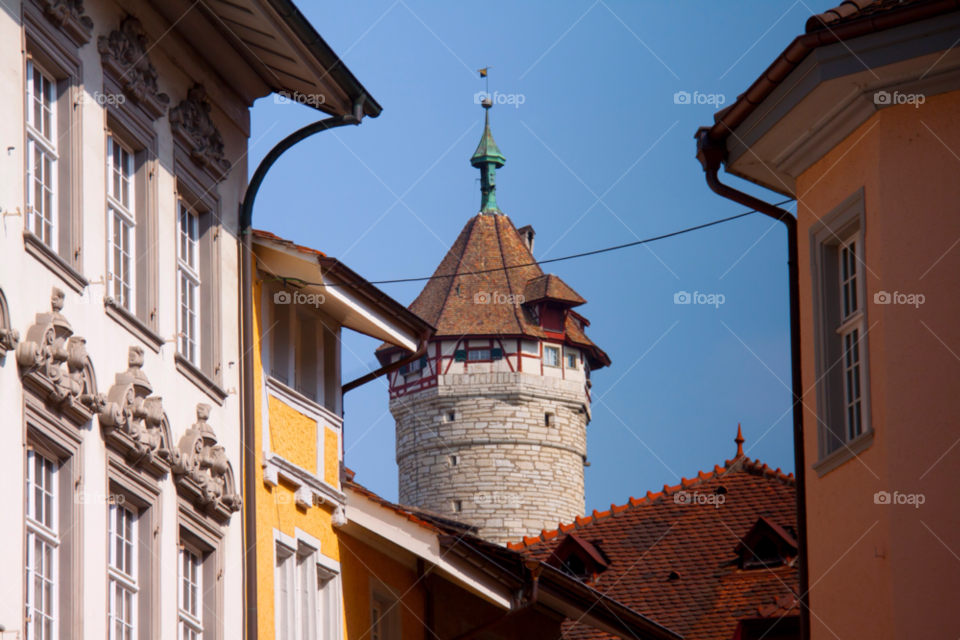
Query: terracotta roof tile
x=475 y=264
x=266 y=235
x=648 y=539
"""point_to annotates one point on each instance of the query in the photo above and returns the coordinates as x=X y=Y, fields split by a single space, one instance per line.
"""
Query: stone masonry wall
x=480 y=443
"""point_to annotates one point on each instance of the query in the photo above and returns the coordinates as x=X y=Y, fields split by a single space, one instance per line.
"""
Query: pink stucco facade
x=892 y=570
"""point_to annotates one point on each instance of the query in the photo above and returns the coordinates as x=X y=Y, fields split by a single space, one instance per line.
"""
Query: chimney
x=527 y=234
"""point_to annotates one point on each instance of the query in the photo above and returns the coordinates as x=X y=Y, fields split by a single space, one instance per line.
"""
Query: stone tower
x=492 y=421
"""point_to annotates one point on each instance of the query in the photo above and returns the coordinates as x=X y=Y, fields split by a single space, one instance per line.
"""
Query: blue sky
x=598 y=154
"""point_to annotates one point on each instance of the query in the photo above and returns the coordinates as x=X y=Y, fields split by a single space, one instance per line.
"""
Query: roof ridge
x=740 y=464
x=503 y=263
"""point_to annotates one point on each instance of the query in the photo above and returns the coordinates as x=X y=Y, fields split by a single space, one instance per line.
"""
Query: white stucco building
x=125 y=127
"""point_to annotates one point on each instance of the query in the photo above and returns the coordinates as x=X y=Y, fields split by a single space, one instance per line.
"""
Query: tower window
x=571 y=357
x=454 y=460
x=551 y=356
x=549 y=420
x=457 y=506
x=451 y=416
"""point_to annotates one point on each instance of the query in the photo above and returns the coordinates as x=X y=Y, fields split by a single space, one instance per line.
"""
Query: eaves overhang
x=825 y=85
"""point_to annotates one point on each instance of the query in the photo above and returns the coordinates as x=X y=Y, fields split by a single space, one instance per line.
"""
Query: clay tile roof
x=489 y=257
x=275 y=239
x=850 y=10
x=551 y=287
x=647 y=540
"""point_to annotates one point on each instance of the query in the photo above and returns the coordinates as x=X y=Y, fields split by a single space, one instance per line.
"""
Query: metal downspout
x=246 y=357
x=711 y=154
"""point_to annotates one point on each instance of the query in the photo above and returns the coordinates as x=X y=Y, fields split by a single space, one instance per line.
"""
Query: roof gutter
x=711 y=152
x=246 y=357
x=732 y=117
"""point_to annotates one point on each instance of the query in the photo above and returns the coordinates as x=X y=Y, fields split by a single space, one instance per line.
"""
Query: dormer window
x=579 y=558
x=766 y=545
x=552 y=317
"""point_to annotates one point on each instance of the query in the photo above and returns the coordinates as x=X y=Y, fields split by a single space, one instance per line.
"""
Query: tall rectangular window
x=41 y=154
x=307 y=596
x=307 y=355
x=122 y=570
x=121 y=221
x=190 y=595
x=188 y=284
x=850 y=331
x=840 y=333
x=43 y=541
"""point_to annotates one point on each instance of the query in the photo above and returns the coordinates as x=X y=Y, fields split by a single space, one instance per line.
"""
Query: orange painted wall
x=276 y=507
x=880 y=571
x=360 y=564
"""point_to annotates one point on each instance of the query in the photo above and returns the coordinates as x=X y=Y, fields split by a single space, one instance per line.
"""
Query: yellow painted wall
x=359 y=563
x=293 y=435
x=331 y=454
x=294 y=439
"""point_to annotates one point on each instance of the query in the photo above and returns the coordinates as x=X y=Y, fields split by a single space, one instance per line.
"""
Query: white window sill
x=310 y=489
x=844 y=454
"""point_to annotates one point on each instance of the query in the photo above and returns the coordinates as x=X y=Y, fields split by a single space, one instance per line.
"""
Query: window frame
x=56 y=438
x=52 y=51
x=203 y=535
x=185 y=617
x=554 y=349
x=48 y=147
x=188 y=271
x=313 y=606
x=846 y=223
x=49 y=536
x=126 y=123
x=126 y=215
x=119 y=579
x=201 y=198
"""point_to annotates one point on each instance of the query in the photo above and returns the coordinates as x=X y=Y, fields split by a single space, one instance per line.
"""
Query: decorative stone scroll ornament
x=124 y=55
x=55 y=364
x=133 y=420
x=69 y=16
x=9 y=337
x=202 y=471
x=191 y=122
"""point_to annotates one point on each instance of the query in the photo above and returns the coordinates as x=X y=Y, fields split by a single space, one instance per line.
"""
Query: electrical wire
x=528 y=264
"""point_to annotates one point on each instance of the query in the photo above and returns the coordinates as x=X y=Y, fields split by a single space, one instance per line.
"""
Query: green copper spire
x=487 y=158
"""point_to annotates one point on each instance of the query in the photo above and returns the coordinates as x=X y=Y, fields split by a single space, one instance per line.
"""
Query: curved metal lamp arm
x=246 y=355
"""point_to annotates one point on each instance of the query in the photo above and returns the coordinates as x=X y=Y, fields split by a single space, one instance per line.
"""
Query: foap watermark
x=500 y=498
x=915 y=299
x=884 y=98
x=95 y=497
x=882 y=497
x=113 y=99
x=296 y=297
x=711 y=499
x=516 y=99
x=485 y=297
x=684 y=97
x=309 y=99
x=682 y=297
